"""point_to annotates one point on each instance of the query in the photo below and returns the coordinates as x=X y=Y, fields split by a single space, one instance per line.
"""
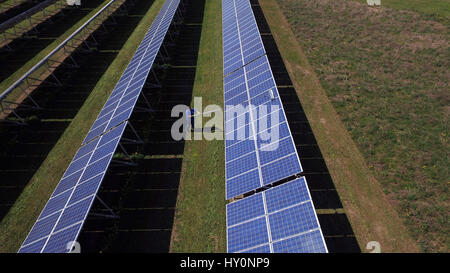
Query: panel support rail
x=82 y=39
x=24 y=24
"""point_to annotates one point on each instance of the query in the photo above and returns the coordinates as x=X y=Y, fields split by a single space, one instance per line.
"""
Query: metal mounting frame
x=110 y=215
x=29 y=81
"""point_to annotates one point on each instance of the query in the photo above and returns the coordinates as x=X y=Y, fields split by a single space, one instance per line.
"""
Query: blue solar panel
x=60 y=242
x=242 y=183
x=241 y=133
x=275 y=151
x=276 y=155
x=241 y=166
x=245 y=209
x=73 y=197
x=247 y=235
x=64 y=214
x=260 y=249
x=74 y=213
x=240 y=148
x=87 y=188
x=104 y=150
x=305 y=243
x=259 y=149
x=97 y=167
x=55 y=204
x=86 y=149
x=286 y=212
x=112 y=135
x=249 y=83
x=277 y=199
x=124 y=97
x=295 y=220
x=241 y=39
x=42 y=228
x=280 y=169
x=280 y=129
x=78 y=164
x=34 y=247
x=67 y=183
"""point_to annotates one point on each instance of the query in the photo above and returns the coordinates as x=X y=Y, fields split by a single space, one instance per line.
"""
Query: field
x=386 y=73
x=373 y=89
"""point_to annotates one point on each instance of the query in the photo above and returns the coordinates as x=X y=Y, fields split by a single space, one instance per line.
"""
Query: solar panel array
x=241 y=38
x=282 y=218
x=62 y=218
x=251 y=160
x=123 y=98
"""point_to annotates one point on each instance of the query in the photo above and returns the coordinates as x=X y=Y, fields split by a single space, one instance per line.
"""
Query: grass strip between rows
x=200 y=221
x=10 y=4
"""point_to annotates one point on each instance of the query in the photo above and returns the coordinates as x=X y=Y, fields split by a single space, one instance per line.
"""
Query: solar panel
x=62 y=217
x=125 y=95
x=259 y=149
x=241 y=39
x=280 y=219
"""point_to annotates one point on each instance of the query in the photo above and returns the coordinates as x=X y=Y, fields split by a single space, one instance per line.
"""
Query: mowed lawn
x=386 y=72
x=200 y=220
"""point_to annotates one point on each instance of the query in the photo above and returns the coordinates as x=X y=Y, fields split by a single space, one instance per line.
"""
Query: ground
x=386 y=74
x=200 y=213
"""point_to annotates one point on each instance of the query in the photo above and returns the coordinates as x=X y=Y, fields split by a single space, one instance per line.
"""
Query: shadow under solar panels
x=123 y=99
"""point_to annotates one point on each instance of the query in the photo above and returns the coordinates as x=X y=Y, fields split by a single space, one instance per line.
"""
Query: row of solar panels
x=285 y=214
x=62 y=218
x=252 y=162
x=282 y=218
x=122 y=100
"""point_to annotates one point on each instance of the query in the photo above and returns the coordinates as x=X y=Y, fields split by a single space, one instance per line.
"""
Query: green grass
x=366 y=206
x=200 y=223
x=38 y=57
x=16 y=224
x=10 y=2
x=386 y=74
